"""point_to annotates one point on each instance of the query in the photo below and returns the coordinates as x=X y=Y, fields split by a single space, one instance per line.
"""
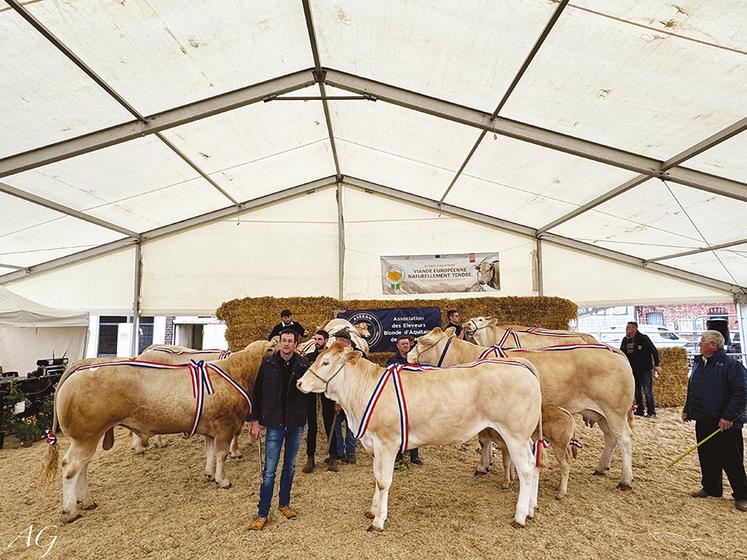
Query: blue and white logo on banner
x=385 y=325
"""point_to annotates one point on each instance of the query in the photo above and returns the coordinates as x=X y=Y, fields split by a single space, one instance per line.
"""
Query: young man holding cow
x=281 y=408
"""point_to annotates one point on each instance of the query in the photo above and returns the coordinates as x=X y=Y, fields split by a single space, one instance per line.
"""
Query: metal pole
x=741 y=304
x=540 y=280
x=340 y=244
x=136 y=302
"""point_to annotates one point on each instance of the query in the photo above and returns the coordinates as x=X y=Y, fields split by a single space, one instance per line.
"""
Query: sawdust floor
x=158 y=506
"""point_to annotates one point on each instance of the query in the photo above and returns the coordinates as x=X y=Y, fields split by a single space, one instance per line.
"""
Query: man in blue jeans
x=280 y=407
x=644 y=361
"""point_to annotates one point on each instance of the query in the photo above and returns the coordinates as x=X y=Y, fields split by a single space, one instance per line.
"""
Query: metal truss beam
x=535 y=135
x=700 y=250
x=154 y=123
x=253 y=204
x=586 y=248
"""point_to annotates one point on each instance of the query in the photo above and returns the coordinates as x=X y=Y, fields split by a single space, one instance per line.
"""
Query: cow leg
x=561 y=456
x=221 y=444
x=158 y=441
x=82 y=494
x=486 y=452
x=74 y=467
x=210 y=461
x=138 y=444
x=626 y=450
x=610 y=442
x=234 y=448
x=521 y=457
x=383 y=471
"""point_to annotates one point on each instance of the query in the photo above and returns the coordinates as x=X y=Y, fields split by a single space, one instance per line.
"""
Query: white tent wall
x=376 y=226
x=287 y=249
x=101 y=285
x=591 y=281
x=21 y=347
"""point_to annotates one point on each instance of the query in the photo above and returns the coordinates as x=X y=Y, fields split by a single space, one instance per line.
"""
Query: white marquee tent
x=30 y=331
x=169 y=155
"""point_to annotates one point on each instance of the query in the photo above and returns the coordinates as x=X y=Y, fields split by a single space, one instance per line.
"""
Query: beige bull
x=485 y=331
x=596 y=383
x=503 y=395
x=91 y=402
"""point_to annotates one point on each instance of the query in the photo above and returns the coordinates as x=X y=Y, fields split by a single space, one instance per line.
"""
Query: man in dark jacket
x=328 y=414
x=642 y=355
x=287 y=322
x=717 y=399
x=280 y=407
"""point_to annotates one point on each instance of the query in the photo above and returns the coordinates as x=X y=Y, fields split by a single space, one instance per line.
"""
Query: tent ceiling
x=127 y=121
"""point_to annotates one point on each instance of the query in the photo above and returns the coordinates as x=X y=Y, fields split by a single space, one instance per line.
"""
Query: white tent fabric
x=594 y=145
x=30 y=331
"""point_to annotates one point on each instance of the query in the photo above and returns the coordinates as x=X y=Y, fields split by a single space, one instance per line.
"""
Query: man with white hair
x=716 y=400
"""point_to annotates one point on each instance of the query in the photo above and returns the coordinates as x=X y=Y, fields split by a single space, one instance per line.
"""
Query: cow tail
x=51 y=456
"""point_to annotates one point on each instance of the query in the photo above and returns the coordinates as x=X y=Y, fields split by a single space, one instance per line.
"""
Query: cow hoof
x=478 y=472
x=208 y=477
x=369 y=515
x=600 y=473
x=237 y=457
x=88 y=507
x=516 y=525
x=225 y=484
x=372 y=529
x=624 y=486
x=70 y=517
x=559 y=496
x=505 y=485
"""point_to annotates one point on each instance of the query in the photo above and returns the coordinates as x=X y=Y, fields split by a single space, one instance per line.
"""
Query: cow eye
x=325 y=363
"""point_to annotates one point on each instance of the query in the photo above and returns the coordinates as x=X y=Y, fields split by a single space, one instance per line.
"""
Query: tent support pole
x=340 y=244
x=136 y=302
x=540 y=279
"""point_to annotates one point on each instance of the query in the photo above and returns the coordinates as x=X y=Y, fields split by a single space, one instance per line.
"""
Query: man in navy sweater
x=717 y=399
x=643 y=356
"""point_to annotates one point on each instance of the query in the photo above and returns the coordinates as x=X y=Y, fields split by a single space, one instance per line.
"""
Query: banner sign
x=385 y=325
x=429 y=274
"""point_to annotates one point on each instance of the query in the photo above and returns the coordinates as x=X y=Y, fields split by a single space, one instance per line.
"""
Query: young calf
x=558 y=427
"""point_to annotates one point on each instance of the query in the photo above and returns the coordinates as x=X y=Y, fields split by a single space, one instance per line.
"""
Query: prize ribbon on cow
x=51 y=437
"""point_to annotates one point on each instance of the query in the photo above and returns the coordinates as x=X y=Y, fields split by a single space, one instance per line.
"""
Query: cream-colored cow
x=592 y=380
x=503 y=395
x=485 y=331
x=91 y=402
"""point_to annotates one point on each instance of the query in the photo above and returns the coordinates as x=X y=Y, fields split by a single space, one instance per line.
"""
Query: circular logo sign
x=372 y=322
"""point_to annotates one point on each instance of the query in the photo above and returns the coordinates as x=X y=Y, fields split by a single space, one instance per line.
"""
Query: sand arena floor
x=158 y=506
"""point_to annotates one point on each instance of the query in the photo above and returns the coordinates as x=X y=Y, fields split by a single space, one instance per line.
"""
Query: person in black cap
x=287 y=323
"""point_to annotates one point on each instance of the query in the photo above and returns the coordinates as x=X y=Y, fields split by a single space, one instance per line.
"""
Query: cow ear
x=437 y=330
x=451 y=331
x=353 y=356
x=493 y=322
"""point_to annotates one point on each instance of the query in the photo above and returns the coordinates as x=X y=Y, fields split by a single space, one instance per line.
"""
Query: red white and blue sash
x=564 y=347
x=222 y=354
x=535 y=331
x=199 y=372
x=393 y=371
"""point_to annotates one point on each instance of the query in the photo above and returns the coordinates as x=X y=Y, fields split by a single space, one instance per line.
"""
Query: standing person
x=287 y=322
x=328 y=413
x=455 y=321
x=716 y=399
x=345 y=445
x=280 y=407
x=642 y=355
x=404 y=344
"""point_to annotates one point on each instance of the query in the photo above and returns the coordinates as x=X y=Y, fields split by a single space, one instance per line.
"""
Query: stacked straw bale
x=670 y=388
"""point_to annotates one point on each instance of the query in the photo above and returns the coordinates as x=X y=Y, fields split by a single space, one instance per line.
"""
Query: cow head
x=327 y=366
x=272 y=345
x=362 y=328
x=430 y=346
x=478 y=323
